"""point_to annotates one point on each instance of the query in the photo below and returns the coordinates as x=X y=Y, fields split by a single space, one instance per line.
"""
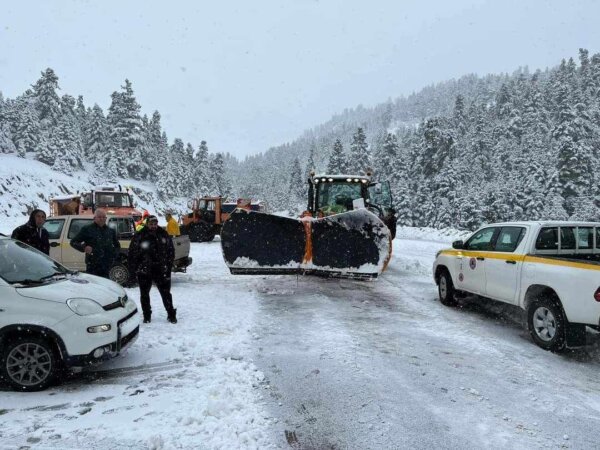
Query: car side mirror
x=458 y=244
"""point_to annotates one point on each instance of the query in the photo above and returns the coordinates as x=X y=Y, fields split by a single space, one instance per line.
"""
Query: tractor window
x=380 y=194
x=123 y=226
x=334 y=198
x=113 y=200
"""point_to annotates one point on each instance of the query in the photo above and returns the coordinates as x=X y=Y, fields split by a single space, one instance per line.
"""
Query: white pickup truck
x=549 y=269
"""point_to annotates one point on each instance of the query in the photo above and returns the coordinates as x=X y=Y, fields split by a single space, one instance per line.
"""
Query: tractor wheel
x=195 y=232
x=205 y=232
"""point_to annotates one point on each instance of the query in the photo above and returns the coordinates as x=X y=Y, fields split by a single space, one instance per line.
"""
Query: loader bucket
x=354 y=244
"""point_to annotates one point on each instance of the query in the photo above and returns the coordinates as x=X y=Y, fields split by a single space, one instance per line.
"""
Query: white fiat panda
x=53 y=318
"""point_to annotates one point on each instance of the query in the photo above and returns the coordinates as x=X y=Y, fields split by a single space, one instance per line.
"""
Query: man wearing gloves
x=151 y=255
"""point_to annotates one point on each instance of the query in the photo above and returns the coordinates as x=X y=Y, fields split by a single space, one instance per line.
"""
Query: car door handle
x=510 y=261
x=480 y=258
x=54 y=244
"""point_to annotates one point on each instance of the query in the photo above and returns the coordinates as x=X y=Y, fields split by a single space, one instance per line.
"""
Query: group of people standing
x=150 y=255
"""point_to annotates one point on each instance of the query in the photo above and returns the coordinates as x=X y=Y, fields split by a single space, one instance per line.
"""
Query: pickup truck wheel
x=119 y=273
x=28 y=364
x=446 y=289
x=547 y=324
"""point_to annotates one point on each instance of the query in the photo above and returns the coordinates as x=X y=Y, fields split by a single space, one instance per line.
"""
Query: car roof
x=545 y=223
x=84 y=216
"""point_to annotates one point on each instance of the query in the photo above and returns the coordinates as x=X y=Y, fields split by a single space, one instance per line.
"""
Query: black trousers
x=163 y=284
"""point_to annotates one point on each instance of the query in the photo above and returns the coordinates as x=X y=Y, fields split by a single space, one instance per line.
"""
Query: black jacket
x=104 y=243
x=32 y=235
x=151 y=252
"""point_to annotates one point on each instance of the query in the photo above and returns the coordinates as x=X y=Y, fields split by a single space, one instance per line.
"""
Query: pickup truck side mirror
x=458 y=244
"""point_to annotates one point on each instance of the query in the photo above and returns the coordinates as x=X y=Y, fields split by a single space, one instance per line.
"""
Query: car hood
x=81 y=285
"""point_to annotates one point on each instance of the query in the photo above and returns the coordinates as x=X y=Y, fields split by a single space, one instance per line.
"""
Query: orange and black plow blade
x=354 y=244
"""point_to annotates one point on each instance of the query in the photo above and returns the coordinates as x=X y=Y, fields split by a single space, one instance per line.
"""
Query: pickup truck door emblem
x=472 y=263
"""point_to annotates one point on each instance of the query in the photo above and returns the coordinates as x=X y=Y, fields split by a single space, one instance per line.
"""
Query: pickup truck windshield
x=20 y=263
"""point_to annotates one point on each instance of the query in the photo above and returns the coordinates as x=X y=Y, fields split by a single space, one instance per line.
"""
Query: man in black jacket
x=151 y=255
x=99 y=243
x=33 y=232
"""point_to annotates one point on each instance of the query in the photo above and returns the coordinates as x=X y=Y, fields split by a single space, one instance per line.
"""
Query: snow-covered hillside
x=26 y=184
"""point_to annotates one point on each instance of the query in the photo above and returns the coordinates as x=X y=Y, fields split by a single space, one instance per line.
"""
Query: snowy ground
x=287 y=362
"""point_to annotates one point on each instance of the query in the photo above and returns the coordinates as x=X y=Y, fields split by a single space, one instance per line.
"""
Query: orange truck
x=208 y=214
x=115 y=200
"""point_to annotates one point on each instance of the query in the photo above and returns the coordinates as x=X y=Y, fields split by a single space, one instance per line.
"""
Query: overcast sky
x=248 y=75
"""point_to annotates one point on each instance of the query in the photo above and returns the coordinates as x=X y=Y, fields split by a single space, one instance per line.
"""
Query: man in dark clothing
x=99 y=243
x=151 y=255
x=33 y=232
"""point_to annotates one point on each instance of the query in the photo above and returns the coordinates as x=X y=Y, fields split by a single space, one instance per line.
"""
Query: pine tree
x=337 y=160
x=360 y=158
x=27 y=131
x=97 y=142
x=296 y=187
x=200 y=166
x=47 y=100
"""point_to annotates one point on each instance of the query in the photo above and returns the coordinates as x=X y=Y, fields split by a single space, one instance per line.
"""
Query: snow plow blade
x=354 y=244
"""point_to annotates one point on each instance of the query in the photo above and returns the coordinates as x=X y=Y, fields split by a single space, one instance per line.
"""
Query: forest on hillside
x=460 y=153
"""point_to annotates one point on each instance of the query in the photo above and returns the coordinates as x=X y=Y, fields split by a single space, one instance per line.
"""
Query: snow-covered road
x=281 y=361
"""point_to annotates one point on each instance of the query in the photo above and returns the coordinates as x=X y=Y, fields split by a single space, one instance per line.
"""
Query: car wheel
x=547 y=324
x=29 y=364
x=446 y=289
x=119 y=273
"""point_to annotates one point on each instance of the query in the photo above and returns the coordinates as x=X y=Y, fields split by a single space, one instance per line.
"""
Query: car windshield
x=20 y=263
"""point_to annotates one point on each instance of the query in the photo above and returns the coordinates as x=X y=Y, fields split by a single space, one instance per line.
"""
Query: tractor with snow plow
x=346 y=231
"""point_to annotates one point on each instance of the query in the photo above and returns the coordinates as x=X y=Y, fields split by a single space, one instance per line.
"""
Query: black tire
x=195 y=232
x=119 y=273
x=29 y=364
x=446 y=289
x=205 y=232
x=546 y=323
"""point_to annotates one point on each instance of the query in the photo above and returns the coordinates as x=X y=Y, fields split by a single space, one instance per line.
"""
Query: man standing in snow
x=33 y=232
x=151 y=255
x=99 y=243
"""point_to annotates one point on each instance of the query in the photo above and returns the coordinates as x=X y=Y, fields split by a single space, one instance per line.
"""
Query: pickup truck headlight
x=84 y=306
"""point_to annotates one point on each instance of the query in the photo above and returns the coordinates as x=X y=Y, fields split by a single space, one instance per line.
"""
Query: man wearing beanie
x=151 y=255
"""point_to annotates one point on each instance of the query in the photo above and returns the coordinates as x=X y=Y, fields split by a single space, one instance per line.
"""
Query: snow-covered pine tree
x=27 y=131
x=97 y=142
x=200 y=166
x=296 y=196
x=360 y=157
x=337 y=160
x=221 y=184
x=47 y=100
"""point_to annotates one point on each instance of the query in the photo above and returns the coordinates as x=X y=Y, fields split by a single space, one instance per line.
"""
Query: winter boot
x=147 y=319
x=172 y=316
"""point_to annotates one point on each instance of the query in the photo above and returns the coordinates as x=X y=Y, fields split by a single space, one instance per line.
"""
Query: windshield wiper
x=27 y=282
x=52 y=275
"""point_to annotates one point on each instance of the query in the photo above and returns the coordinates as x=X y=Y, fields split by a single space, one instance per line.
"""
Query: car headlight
x=84 y=306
